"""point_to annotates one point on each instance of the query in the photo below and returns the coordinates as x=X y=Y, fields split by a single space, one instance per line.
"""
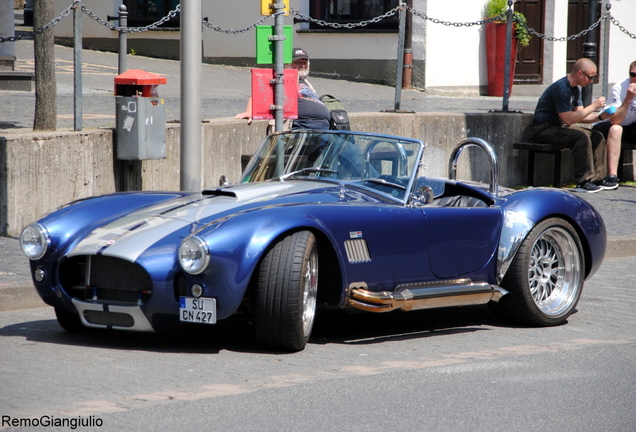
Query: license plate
x=197 y=310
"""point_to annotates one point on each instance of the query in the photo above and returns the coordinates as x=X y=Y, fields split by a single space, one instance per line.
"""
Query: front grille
x=109 y=318
x=105 y=279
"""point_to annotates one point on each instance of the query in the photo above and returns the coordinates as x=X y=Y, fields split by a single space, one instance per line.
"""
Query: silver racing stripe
x=129 y=236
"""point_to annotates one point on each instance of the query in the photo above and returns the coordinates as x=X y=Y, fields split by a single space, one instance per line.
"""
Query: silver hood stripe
x=129 y=236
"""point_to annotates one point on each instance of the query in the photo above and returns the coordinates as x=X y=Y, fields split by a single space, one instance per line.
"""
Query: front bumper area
x=106 y=316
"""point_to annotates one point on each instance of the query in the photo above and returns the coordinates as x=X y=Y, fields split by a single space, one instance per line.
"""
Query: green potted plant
x=496 y=8
x=496 y=43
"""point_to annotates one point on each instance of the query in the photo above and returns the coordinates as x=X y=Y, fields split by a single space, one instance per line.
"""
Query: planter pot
x=496 y=57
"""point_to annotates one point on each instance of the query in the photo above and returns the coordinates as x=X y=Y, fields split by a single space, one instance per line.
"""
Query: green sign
x=265 y=46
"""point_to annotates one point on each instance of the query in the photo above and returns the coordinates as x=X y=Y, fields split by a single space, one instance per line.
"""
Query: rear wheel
x=286 y=293
x=545 y=279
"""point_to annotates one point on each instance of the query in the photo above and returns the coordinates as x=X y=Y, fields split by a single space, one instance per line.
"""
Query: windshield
x=385 y=163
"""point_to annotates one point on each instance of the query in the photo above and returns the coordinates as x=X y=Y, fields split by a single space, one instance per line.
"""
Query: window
x=351 y=11
x=144 y=12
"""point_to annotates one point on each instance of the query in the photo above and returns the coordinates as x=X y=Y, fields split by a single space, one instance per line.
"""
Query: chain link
x=623 y=29
x=152 y=26
x=568 y=38
x=500 y=17
x=347 y=25
x=307 y=18
x=41 y=30
x=243 y=30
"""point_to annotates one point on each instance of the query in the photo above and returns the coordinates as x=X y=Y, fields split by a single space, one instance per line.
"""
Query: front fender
x=237 y=245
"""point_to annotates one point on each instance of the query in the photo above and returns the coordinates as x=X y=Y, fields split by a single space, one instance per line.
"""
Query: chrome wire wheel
x=310 y=291
x=545 y=278
x=554 y=271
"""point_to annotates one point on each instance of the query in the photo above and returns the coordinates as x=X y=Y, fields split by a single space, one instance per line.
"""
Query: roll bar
x=486 y=147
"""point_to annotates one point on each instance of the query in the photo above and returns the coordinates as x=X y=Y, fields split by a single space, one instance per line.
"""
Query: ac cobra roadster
x=333 y=219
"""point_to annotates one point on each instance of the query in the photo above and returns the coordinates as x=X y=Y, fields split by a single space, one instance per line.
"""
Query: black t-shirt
x=559 y=97
x=312 y=113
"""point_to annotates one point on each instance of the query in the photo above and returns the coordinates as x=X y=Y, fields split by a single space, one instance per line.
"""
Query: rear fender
x=538 y=204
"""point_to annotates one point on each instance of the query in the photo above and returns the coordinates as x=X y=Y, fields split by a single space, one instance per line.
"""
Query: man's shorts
x=629 y=131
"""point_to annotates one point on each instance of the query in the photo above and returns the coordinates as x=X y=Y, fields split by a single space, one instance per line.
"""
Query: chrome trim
x=516 y=227
x=423 y=196
x=459 y=292
x=141 y=323
x=486 y=147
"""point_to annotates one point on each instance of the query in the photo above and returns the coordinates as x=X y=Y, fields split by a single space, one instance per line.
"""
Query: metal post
x=400 y=57
x=407 y=78
x=606 y=39
x=507 y=58
x=77 y=66
x=191 y=47
x=279 y=66
x=589 y=49
x=123 y=39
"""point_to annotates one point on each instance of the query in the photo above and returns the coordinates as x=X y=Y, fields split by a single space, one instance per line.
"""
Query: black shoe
x=588 y=187
x=609 y=183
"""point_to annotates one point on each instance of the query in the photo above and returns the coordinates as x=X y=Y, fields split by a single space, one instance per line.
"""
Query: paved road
x=455 y=369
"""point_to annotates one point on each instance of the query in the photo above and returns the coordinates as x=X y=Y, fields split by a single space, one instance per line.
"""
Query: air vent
x=357 y=251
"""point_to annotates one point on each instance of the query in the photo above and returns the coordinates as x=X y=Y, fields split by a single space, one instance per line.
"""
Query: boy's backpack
x=339 y=118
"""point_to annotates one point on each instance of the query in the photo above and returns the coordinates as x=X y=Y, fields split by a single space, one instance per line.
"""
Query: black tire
x=286 y=293
x=546 y=276
x=69 y=321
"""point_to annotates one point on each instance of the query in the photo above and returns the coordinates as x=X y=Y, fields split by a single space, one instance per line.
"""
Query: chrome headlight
x=34 y=241
x=194 y=255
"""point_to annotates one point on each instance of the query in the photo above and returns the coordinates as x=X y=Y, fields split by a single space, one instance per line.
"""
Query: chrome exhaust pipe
x=407 y=297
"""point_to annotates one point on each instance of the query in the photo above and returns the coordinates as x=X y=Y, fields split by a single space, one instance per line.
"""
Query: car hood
x=130 y=235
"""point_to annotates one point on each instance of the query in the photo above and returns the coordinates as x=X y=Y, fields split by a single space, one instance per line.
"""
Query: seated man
x=559 y=107
x=619 y=127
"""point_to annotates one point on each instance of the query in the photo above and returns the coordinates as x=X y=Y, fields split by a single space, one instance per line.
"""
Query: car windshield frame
x=385 y=163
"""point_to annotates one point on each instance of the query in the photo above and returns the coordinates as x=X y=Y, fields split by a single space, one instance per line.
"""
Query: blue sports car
x=334 y=219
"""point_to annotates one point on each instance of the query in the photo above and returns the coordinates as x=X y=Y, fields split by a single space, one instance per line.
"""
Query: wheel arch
x=330 y=277
x=535 y=206
x=585 y=244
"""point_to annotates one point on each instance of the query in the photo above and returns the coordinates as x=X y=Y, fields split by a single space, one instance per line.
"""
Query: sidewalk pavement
x=224 y=93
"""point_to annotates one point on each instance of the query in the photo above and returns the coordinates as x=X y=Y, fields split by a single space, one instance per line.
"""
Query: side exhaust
x=459 y=292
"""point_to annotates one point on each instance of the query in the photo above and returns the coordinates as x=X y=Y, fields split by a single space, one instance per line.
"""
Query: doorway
x=529 y=65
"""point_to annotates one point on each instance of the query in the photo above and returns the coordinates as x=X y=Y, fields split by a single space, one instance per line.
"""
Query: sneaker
x=588 y=187
x=609 y=183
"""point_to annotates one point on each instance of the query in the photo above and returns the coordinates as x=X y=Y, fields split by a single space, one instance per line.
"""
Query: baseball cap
x=298 y=54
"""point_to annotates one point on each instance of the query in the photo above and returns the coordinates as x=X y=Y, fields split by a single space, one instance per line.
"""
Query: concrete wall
x=41 y=171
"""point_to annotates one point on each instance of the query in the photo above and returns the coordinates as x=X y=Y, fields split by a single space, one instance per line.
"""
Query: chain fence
x=305 y=18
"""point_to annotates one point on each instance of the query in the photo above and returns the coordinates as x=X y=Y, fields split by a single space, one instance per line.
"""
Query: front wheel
x=69 y=321
x=546 y=276
x=286 y=293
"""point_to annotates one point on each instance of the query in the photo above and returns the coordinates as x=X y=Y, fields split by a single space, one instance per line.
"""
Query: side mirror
x=423 y=196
